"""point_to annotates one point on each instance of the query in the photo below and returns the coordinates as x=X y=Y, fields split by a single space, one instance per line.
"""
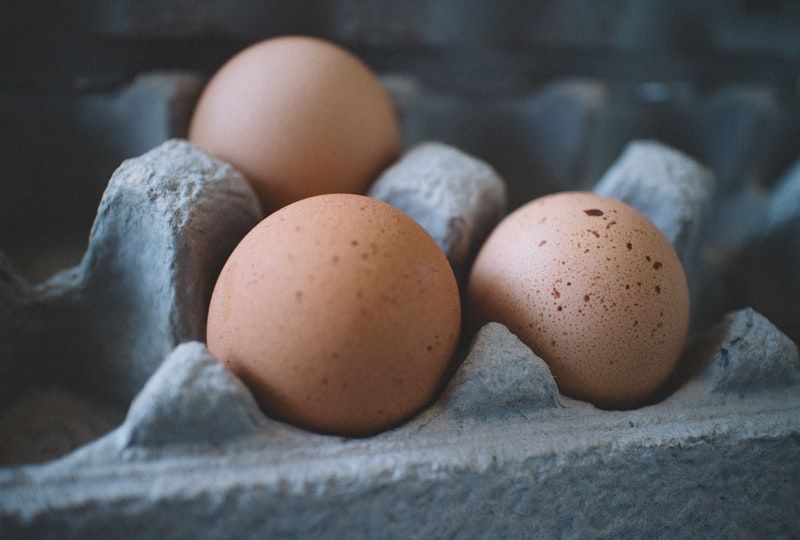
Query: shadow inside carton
x=47 y=422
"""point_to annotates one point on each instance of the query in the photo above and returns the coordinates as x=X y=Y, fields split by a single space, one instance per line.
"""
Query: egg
x=591 y=286
x=298 y=116
x=339 y=312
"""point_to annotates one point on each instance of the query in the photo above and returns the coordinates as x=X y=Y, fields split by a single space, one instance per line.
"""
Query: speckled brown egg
x=594 y=288
x=339 y=312
x=298 y=116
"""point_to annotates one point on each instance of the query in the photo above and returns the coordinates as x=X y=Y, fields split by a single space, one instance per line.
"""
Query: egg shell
x=298 y=116
x=594 y=288
x=339 y=312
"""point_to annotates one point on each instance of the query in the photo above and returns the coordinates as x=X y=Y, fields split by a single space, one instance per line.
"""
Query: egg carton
x=112 y=349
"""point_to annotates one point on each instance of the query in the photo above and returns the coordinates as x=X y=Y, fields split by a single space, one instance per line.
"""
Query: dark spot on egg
x=298 y=296
x=647 y=258
x=593 y=212
x=353 y=242
x=585 y=297
x=543 y=242
x=595 y=233
x=629 y=246
x=658 y=289
x=555 y=293
x=657 y=265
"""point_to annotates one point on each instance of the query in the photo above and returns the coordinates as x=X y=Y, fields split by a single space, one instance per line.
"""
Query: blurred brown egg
x=594 y=288
x=339 y=312
x=299 y=117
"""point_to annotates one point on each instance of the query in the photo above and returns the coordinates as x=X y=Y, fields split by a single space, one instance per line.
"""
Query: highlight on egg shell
x=591 y=286
x=298 y=116
x=339 y=312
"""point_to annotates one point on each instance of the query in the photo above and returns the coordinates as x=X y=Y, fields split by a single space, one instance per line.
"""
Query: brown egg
x=339 y=312
x=298 y=116
x=594 y=288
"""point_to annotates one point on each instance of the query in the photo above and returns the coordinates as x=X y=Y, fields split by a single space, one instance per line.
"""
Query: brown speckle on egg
x=623 y=341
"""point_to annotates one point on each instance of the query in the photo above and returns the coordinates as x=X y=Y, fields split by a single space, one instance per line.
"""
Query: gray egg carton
x=121 y=424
